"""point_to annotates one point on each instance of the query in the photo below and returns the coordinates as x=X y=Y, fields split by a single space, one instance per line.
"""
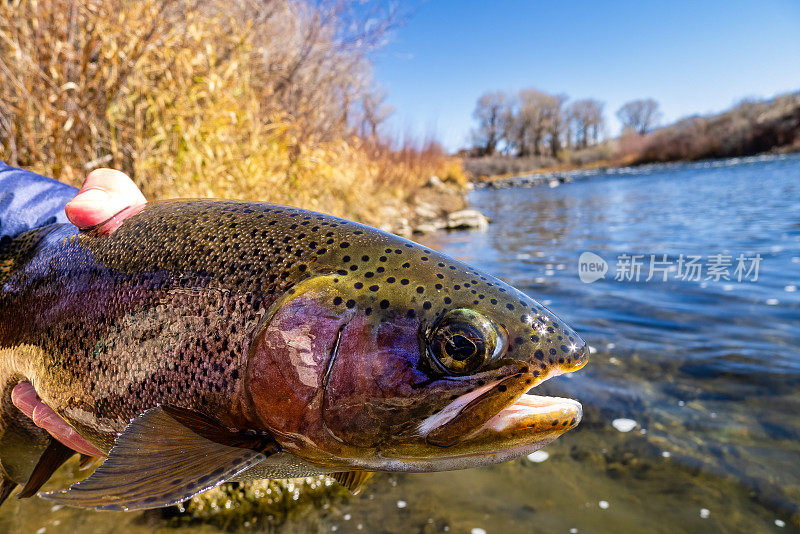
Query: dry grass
x=195 y=98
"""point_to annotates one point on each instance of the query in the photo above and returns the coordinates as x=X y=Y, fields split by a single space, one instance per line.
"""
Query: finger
x=25 y=398
x=105 y=193
x=46 y=418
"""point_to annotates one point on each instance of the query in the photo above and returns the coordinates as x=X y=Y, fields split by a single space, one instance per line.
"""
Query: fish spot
x=426 y=305
x=405 y=281
x=390 y=280
x=510 y=306
x=337 y=300
x=358 y=285
x=420 y=290
x=384 y=304
x=373 y=288
x=350 y=303
x=448 y=300
x=344 y=244
x=539 y=355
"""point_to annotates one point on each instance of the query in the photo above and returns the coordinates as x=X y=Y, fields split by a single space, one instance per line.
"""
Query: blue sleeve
x=29 y=200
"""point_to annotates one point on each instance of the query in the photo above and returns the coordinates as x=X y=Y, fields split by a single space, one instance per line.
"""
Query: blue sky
x=693 y=57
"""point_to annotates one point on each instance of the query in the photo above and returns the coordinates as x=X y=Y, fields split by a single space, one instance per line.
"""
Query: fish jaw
x=522 y=424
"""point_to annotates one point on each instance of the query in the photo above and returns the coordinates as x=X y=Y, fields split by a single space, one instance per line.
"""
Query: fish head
x=411 y=361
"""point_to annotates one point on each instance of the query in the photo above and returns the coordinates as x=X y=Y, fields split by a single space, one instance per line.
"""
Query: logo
x=591 y=267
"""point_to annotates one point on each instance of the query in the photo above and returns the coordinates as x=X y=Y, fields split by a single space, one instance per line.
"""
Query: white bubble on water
x=613 y=360
x=780 y=523
x=603 y=505
x=624 y=425
x=401 y=504
x=728 y=287
x=592 y=350
x=704 y=513
x=666 y=454
x=573 y=531
x=610 y=346
x=538 y=456
x=790 y=288
x=772 y=302
x=477 y=530
x=347 y=517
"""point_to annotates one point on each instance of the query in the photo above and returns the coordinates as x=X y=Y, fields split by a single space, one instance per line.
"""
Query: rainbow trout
x=197 y=342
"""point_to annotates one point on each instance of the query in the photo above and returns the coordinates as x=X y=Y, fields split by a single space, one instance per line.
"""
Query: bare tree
x=489 y=111
x=639 y=115
x=373 y=112
x=586 y=121
x=554 y=114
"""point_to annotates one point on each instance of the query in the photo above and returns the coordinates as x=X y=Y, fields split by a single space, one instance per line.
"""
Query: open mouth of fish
x=522 y=422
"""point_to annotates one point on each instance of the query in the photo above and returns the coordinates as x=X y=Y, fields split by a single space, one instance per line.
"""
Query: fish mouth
x=500 y=420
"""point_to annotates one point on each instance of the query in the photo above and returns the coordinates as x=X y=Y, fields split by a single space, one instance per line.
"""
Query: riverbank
x=553 y=178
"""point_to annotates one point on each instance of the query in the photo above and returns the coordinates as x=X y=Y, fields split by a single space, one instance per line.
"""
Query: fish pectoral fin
x=6 y=487
x=53 y=457
x=352 y=480
x=161 y=459
x=86 y=461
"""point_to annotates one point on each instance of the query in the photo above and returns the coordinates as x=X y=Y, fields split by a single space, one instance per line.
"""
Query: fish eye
x=463 y=340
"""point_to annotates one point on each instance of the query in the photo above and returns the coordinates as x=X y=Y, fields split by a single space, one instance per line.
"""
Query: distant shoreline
x=553 y=178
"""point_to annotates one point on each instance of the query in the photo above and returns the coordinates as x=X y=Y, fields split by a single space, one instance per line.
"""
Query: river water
x=691 y=397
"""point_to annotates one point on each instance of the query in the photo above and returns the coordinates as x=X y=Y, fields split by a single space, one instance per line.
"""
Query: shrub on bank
x=204 y=98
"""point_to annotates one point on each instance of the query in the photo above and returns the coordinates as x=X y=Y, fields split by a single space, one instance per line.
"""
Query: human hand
x=104 y=194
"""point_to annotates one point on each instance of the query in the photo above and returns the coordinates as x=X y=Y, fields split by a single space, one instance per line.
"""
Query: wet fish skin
x=307 y=328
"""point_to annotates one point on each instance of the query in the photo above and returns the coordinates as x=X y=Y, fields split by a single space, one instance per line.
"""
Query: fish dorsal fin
x=160 y=459
x=53 y=457
x=352 y=480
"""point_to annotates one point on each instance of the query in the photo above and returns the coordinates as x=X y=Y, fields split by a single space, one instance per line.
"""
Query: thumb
x=105 y=193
